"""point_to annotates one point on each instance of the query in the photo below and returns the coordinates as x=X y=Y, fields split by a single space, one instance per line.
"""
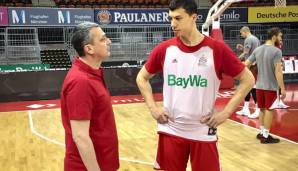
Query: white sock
x=256 y=106
x=246 y=105
x=262 y=129
x=258 y=110
x=265 y=133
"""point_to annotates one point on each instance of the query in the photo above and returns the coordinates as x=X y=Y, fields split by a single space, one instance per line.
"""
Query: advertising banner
x=233 y=15
x=3 y=16
x=272 y=14
x=24 y=67
x=48 y=16
x=159 y=16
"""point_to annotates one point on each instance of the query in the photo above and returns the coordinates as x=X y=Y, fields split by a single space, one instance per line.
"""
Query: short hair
x=81 y=36
x=190 y=6
x=273 y=32
x=245 y=29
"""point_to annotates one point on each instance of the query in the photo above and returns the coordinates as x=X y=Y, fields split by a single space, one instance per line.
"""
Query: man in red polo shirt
x=87 y=115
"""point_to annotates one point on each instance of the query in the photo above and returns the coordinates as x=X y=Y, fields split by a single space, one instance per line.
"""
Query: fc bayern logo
x=104 y=17
x=202 y=61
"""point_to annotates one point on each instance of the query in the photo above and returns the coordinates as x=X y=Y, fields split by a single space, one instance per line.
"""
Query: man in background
x=270 y=79
x=251 y=42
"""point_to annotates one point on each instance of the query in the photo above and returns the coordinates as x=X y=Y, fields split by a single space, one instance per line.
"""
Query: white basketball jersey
x=191 y=83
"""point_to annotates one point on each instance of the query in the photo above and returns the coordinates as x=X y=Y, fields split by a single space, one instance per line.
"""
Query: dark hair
x=190 y=6
x=273 y=32
x=81 y=36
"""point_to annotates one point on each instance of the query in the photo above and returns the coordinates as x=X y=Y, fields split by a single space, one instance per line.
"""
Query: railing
x=129 y=43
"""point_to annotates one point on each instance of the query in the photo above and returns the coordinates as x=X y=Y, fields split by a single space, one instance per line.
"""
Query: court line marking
x=285 y=139
x=276 y=109
x=33 y=130
x=40 y=135
x=270 y=133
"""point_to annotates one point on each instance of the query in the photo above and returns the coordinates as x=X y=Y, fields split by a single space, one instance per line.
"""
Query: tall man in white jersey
x=192 y=65
x=270 y=79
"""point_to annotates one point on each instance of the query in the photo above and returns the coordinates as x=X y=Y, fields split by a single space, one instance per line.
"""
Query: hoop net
x=280 y=3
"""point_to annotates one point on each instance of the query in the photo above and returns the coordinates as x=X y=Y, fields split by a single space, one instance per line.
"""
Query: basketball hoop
x=280 y=3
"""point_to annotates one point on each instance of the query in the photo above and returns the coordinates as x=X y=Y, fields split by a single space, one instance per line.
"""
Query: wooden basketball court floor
x=33 y=139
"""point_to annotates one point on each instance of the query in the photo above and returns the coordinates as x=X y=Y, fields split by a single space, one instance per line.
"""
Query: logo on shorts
x=212 y=131
x=104 y=17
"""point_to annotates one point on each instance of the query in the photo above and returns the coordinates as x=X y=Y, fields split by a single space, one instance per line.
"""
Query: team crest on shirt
x=202 y=60
x=174 y=60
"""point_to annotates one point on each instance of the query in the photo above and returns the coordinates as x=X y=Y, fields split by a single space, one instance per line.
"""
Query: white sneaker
x=282 y=105
x=244 y=111
x=279 y=104
x=255 y=114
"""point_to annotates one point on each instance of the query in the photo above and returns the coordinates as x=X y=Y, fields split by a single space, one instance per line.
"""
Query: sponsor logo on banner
x=104 y=17
x=18 y=16
x=63 y=17
x=141 y=17
x=272 y=14
x=3 y=16
x=231 y=15
x=132 y=16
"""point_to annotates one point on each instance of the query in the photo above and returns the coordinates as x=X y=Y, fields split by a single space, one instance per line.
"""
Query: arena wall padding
x=44 y=85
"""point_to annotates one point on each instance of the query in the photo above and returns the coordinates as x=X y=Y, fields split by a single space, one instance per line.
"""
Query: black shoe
x=269 y=140
x=259 y=136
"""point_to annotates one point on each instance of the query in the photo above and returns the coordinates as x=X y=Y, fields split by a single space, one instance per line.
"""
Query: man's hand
x=160 y=114
x=80 y=134
x=282 y=94
x=215 y=119
x=239 y=47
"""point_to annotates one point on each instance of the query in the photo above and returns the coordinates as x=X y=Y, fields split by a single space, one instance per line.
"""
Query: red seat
x=132 y=2
x=148 y=1
x=124 y=2
x=140 y=1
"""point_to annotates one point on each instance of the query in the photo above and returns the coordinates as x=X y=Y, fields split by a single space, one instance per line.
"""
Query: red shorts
x=173 y=153
x=265 y=98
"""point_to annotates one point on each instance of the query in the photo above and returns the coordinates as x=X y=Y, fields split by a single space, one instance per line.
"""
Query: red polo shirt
x=84 y=96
